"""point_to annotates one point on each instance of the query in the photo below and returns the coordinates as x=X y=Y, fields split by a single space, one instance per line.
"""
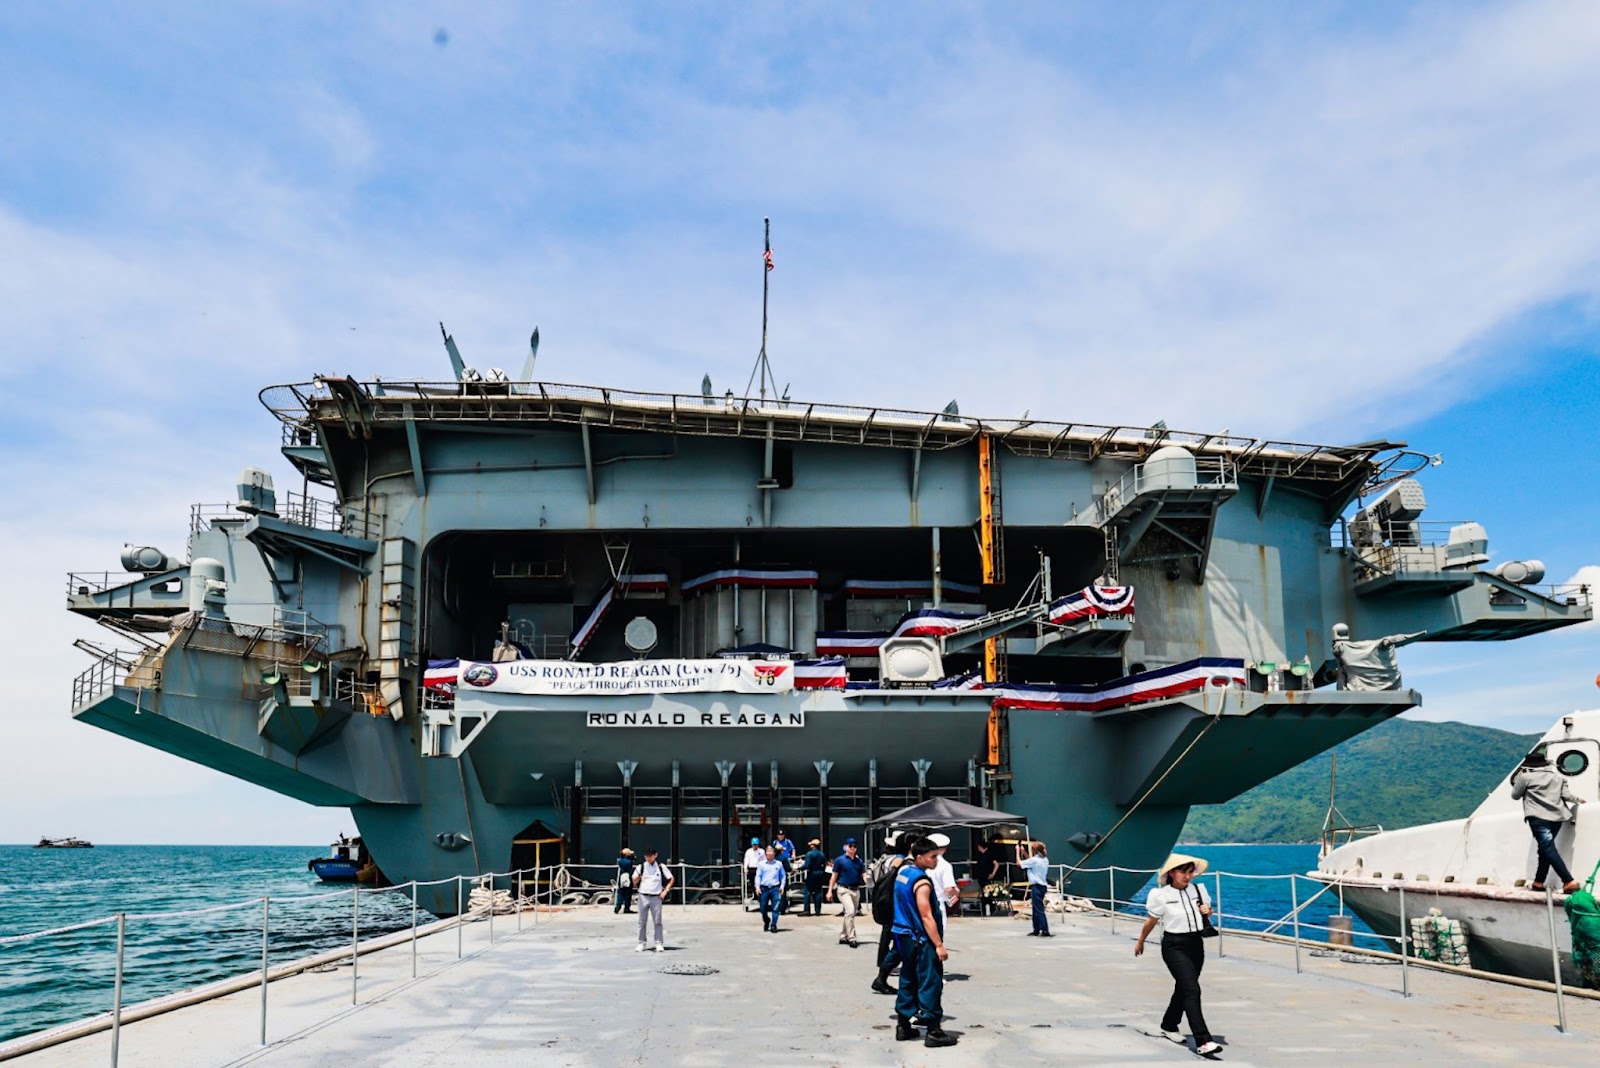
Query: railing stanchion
x=1294 y=904
x=413 y=928
x=461 y=915
x=266 y=923
x=1555 y=960
x=116 y=989
x=538 y=869
x=1217 y=919
x=355 y=941
x=521 y=885
x=683 y=866
x=1405 y=939
x=491 y=908
x=1112 y=876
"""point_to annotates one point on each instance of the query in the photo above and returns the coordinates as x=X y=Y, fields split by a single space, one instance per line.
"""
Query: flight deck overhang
x=341 y=406
x=1207 y=748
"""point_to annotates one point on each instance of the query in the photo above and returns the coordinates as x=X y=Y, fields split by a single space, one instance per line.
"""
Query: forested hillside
x=1399 y=774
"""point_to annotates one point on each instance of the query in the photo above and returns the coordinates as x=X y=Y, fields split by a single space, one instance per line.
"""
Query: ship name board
x=695 y=719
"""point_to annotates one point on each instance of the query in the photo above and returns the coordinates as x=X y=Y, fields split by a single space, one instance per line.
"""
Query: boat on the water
x=1479 y=870
x=344 y=863
x=516 y=624
x=62 y=843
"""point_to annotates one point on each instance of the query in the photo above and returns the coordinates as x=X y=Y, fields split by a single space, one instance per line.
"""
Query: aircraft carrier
x=517 y=623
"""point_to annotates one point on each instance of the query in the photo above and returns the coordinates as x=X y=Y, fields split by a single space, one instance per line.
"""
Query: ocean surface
x=66 y=977
x=55 y=980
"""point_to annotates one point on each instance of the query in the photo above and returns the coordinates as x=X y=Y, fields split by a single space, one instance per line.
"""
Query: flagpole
x=763 y=369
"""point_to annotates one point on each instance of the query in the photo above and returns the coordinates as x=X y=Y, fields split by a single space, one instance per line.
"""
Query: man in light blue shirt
x=1037 y=865
x=772 y=878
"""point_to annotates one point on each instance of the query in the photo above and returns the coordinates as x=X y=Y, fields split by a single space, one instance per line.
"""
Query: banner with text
x=547 y=677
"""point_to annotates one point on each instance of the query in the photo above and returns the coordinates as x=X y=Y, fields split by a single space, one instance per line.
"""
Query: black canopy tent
x=945 y=812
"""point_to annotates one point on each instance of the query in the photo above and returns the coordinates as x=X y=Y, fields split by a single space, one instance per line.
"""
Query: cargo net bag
x=1583 y=917
x=1437 y=937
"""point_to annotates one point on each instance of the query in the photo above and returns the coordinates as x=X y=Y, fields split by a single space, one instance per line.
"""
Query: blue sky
x=1326 y=222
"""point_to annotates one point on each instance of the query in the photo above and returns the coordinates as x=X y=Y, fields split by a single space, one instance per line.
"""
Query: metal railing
x=300 y=405
x=300 y=509
x=107 y=672
x=538 y=889
x=1212 y=475
x=1404 y=953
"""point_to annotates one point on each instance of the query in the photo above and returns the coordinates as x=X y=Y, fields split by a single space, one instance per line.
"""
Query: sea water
x=61 y=978
x=66 y=977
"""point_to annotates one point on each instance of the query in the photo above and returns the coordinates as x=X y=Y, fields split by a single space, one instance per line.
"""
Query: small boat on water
x=344 y=863
x=1478 y=871
x=63 y=843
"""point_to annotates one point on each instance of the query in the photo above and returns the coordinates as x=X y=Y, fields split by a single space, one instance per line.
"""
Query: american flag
x=767 y=255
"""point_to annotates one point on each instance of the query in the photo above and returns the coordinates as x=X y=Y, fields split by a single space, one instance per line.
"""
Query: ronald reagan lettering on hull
x=695 y=719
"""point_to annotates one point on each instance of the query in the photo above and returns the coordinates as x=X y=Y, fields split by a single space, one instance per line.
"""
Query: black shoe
x=1033 y=934
x=1046 y=934
x=938 y=1037
x=881 y=987
x=904 y=1032
x=854 y=944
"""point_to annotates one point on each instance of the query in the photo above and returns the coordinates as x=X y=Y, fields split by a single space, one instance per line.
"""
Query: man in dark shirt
x=849 y=873
x=816 y=876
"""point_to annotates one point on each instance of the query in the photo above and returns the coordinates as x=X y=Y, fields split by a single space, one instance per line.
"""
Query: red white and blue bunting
x=1092 y=602
x=625 y=584
x=907 y=589
x=825 y=674
x=923 y=623
x=768 y=578
x=1190 y=676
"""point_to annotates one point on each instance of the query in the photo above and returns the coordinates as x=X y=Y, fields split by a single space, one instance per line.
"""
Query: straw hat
x=627 y=852
x=1178 y=860
x=815 y=841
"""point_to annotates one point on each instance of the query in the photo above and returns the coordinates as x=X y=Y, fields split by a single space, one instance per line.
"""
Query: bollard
x=1555 y=961
x=1112 y=875
x=413 y=928
x=1341 y=930
x=461 y=916
x=1217 y=922
x=266 y=921
x=1294 y=903
x=116 y=989
x=1405 y=972
x=355 y=940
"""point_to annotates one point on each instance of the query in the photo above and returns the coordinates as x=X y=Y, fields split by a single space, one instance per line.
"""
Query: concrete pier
x=572 y=991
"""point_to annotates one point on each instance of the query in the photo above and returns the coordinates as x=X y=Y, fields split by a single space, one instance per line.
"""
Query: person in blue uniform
x=816 y=878
x=849 y=874
x=784 y=847
x=772 y=878
x=919 y=943
x=1033 y=859
x=624 y=901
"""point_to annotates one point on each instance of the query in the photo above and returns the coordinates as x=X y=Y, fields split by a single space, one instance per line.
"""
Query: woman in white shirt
x=1182 y=907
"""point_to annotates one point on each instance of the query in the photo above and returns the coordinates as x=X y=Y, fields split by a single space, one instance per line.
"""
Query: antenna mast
x=761 y=373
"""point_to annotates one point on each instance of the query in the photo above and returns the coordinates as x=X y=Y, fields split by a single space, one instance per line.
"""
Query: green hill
x=1401 y=773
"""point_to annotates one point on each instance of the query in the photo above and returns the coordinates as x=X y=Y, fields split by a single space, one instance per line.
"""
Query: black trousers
x=1184 y=955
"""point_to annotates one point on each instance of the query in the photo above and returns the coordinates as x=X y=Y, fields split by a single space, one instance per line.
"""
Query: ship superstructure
x=518 y=623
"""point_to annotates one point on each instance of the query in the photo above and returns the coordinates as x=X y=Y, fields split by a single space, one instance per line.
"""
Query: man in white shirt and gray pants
x=653 y=880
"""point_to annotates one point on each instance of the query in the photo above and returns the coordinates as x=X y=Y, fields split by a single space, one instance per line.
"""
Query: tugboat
x=63 y=843
x=343 y=863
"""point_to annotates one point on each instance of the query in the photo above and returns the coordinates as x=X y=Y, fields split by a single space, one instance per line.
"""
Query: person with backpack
x=624 y=901
x=653 y=880
x=918 y=927
x=1183 y=909
x=880 y=882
